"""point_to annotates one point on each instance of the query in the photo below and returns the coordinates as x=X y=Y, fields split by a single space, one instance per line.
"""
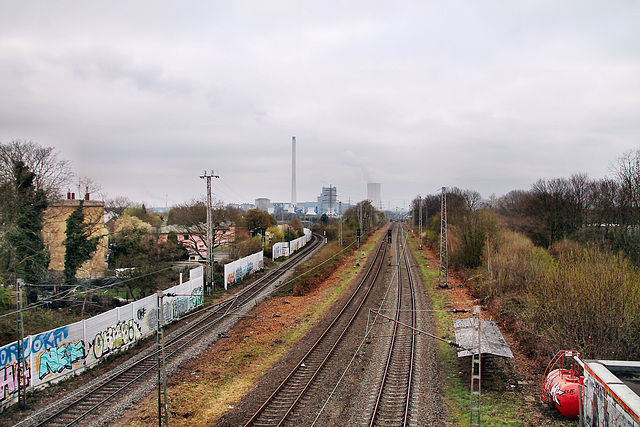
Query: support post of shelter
x=476 y=370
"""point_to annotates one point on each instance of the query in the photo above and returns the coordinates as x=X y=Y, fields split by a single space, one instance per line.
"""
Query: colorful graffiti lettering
x=115 y=337
x=9 y=380
x=152 y=319
x=196 y=297
x=180 y=306
x=166 y=307
x=231 y=278
x=9 y=354
x=53 y=354
x=57 y=359
x=49 y=339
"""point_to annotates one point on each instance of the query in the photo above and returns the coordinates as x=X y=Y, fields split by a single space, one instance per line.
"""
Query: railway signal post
x=358 y=246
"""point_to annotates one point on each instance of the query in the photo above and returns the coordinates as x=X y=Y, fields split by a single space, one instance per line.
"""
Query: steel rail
x=397 y=370
x=294 y=397
x=121 y=379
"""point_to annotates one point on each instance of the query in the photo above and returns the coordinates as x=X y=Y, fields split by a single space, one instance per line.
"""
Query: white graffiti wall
x=52 y=355
x=279 y=249
x=287 y=248
x=236 y=270
x=601 y=406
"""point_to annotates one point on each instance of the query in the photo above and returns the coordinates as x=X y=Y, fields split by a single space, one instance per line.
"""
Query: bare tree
x=117 y=206
x=627 y=171
x=52 y=173
x=190 y=219
x=87 y=186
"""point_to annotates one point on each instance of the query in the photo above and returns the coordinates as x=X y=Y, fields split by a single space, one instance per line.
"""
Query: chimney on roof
x=86 y=196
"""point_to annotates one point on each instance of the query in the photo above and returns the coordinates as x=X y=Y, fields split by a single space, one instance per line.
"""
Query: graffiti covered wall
x=279 y=249
x=287 y=248
x=607 y=401
x=52 y=355
x=236 y=270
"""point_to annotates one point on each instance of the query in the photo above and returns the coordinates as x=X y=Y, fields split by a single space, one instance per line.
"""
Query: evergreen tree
x=28 y=256
x=80 y=246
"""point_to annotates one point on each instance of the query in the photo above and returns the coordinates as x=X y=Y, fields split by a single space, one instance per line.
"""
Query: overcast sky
x=144 y=96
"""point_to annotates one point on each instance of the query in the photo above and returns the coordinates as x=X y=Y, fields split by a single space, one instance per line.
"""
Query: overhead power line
x=62 y=296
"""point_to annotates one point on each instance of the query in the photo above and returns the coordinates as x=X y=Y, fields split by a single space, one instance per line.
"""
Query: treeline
x=559 y=263
x=141 y=245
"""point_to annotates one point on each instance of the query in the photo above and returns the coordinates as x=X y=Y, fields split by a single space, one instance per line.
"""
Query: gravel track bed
x=364 y=358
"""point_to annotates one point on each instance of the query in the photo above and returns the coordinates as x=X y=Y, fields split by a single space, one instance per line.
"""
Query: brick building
x=54 y=234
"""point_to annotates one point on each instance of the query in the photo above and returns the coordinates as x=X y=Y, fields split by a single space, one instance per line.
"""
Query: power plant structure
x=373 y=194
x=293 y=173
x=326 y=202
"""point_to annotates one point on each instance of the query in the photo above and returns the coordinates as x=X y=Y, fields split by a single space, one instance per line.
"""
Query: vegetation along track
x=88 y=401
x=288 y=404
x=393 y=401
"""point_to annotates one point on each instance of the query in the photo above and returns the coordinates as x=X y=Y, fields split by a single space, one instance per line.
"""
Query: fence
x=611 y=393
x=287 y=248
x=55 y=354
x=236 y=270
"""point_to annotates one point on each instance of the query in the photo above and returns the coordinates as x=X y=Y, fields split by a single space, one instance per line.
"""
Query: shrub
x=570 y=297
x=470 y=237
x=318 y=269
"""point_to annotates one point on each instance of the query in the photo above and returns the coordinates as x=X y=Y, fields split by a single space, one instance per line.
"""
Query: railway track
x=288 y=404
x=393 y=402
x=360 y=377
x=86 y=402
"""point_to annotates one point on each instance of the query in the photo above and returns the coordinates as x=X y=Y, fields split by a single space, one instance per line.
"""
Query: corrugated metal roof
x=491 y=339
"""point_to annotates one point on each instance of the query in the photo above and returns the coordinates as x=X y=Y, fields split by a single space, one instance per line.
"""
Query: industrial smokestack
x=293 y=172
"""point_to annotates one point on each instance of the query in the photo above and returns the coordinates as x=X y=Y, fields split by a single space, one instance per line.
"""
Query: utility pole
x=340 y=226
x=163 y=413
x=209 y=229
x=443 y=282
x=420 y=215
x=21 y=374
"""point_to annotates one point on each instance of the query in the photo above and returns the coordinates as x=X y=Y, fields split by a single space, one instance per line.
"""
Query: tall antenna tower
x=443 y=282
x=294 y=200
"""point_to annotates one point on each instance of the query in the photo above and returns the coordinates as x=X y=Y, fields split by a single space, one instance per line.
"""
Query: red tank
x=561 y=385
